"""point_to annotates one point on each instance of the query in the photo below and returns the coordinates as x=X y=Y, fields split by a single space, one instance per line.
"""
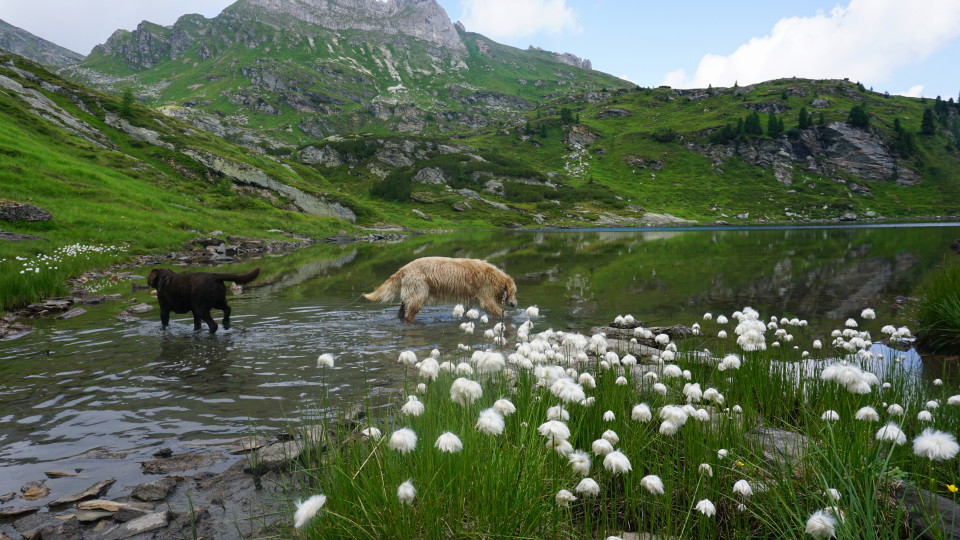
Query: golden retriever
x=443 y=279
x=198 y=292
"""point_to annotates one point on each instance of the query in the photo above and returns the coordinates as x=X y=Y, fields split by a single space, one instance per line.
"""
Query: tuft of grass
x=938 y=310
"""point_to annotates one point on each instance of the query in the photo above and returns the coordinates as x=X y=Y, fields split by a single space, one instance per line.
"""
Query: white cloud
x=865 y=41
x=914 y=91
x=510 y=19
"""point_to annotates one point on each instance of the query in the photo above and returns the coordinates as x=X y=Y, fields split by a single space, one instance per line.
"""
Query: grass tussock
x=938 y=310
x=773 y=430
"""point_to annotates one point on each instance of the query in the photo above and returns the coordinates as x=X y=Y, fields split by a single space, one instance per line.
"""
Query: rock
x=163 y=453
x=325 y=156
x=462 y=206
x=16 y=211
x=849 y=216
x=180 y=463
x=767 y=108
x=156 y=490
x=614 y=113
x=33 y=491
x=71 y=314
x=59 y=474
x=93 y=491
x=421 y=215
x=14 y=237
x=7 y=497
x=777 y=444
x=91 y=516
x=820 y=103
x=130 y=512
x=931 y=516
x=68 y=530
x=11 y=511
x=430 y=175
x=580 y=136
x=274 y=456
x=101 y=504
x=139 y=309
x=140 y=525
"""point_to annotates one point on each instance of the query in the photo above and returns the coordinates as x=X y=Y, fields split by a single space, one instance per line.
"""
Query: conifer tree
x=927 y=125
x=858 y=116
x=803 y=121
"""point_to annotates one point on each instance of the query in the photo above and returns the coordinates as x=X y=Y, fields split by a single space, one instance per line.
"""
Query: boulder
x=180 y=463
x=156 y=490
x=325 y=156
x=580 y=136
x=430 y=175
x=17 y=211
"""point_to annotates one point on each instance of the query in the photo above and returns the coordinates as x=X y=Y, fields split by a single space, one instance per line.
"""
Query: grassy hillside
x=109 y=189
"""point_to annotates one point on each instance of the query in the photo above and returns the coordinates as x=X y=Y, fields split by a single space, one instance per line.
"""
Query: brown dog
x=444 y=279
x=198 y=292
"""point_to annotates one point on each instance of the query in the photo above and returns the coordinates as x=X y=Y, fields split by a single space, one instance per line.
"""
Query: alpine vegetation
x=781 y=430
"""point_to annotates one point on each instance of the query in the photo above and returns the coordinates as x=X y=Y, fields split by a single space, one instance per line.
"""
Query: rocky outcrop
x=430 y=175
x=613 y=112
x=27 y=45
x=324 y=156
x=827 y=150
x=566 y=58
x=580 y=136
x=245 y=174
x=17 y=211
x=422 y=19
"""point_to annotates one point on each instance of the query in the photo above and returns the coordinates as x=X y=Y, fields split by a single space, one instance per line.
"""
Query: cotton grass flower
x=490 y=422
x=935 y=445
x=504 y=407
x=833 y=493
x=464 y=391
x=706 y=469
x=641 y=413
x=722 y=453
x=821 y=525
x=588 y=487
x=611 y=436
x=867 y=414
x=579 y=462
x=307 y=509
x=407 y=358
x=668 y=428
x=557 y=413
x=609 y=416
x=562 y=447
x=953 y=400
x=554 y=429
x=621 y=381
x=564 y=498
x=830 y=416
x=652 y=483
x=490 y=362
x=742 y=488
x=325 y=359
x=616 y=462
x=567 y=390
x=371 y=433
x=458 y=311
x=413 y=407
x=403 y=440
x=706 y=507
x=448 y=442
x=406 y=492
x=429 y=369
x=891 y=433
x=601 y=447
x=925 y=416
x=895 y=410
x=533 y=312
x=473 y=314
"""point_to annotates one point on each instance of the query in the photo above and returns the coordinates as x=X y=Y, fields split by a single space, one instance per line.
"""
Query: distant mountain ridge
x=273 y=74
x=27 y=45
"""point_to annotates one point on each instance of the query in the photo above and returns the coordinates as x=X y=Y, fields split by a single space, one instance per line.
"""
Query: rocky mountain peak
x=422 y=19
x=27 y=45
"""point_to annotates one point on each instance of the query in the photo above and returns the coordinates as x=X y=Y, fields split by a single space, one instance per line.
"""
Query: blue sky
x=891 y=45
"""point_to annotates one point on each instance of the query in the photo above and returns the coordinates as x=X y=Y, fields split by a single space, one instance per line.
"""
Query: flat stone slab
x=71 y=314
x=11 y=511
x=101 y=504
x=156 y=490
x=93 y=491
x=147 y=523
x=182 y=462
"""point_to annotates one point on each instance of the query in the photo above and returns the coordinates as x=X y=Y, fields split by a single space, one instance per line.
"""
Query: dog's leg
x=196 y=321
x=207 y=318
x=403 y=311
x=226 y=316
x=164 y=317
x=493 y=309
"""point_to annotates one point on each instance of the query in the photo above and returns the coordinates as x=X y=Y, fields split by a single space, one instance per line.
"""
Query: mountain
x=279 y=74
x=19 y=41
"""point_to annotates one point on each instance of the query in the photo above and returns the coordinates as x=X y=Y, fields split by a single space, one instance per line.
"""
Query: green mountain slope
x=628 y=156
x=19 y=41
x=277 y=75
x=129 y=177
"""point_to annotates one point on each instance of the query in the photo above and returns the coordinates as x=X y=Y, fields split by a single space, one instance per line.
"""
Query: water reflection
x=94 y=385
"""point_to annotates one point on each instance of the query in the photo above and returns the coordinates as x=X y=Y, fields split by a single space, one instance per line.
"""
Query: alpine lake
x=101 y=395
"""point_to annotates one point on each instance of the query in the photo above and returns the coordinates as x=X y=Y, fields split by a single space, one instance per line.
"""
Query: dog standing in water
x=443 y=279
x=198 y=293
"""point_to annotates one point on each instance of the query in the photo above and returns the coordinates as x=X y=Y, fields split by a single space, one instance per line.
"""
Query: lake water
x=75 y=392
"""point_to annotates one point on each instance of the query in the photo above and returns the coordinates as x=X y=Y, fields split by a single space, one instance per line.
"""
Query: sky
x=897 y=46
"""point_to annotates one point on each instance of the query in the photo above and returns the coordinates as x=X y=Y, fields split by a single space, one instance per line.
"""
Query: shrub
x=938 y=312
x=395 y=187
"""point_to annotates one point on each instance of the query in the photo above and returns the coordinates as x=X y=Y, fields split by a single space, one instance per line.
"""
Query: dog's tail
x=238 y=278
x=386 y=291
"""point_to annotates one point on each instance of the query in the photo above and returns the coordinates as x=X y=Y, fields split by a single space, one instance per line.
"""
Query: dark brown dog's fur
x=442 y=279
x=198 y=293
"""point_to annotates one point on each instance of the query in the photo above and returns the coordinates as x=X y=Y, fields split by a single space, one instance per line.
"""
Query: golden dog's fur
x=442 y=279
